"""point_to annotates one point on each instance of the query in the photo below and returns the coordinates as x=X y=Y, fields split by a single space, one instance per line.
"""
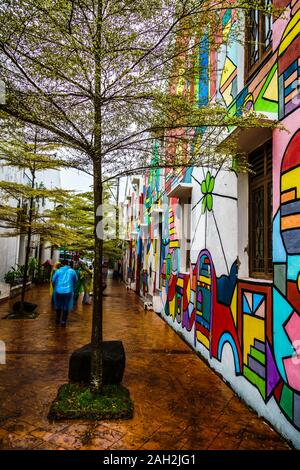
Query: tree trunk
x=118 y=211
x=27 y=252
x=97 y=322
x=40 y=261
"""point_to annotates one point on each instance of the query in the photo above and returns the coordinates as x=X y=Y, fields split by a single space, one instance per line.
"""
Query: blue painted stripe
x=246 y=307
x=259 y=345
x=202 y=321
x=257 y=299
x=291 y=240
x=290 y=69
x=227 y=338
x=290 y=208
x=256 y=367
x=293 y=86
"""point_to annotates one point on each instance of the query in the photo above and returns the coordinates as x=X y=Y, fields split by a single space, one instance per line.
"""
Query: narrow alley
x=179 y=402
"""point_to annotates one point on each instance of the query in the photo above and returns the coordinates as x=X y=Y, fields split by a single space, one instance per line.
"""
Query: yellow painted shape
x=249 y=97
x=202 y=339
x=204 y=279
x=271 y=92
x=228 y=69
x=172 y=231
x=233 y=306
x=291 y=31
x=226 y=31
x=227 y=95
x=291 y=180
x=180 y=282
x=172 y=307
x=188 y=289
x=181 y=82
x=298 y=282
x=290 y=221
x=174 y=244
x=254 y=328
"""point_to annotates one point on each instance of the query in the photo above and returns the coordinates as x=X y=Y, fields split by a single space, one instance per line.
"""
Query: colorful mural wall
x=210 y=305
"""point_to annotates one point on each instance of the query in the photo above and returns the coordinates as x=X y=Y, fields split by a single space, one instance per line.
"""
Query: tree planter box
x=16 y=290
x=113 y=354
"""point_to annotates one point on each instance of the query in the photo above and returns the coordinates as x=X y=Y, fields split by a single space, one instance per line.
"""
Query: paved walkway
x=179 y=402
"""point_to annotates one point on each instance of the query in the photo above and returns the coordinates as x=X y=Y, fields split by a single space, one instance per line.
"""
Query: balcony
x=181 y=190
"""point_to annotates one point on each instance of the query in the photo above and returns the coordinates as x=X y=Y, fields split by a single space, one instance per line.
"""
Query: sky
x=78 y=181
x=75 y=180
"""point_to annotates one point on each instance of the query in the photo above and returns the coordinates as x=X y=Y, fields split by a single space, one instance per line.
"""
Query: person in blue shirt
x=64 y=280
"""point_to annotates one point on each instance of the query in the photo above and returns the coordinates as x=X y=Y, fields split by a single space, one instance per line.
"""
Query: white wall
x=9 y=246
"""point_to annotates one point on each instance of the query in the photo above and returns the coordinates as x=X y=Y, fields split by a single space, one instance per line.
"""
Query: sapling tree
x=28 y=217
x=103 y=79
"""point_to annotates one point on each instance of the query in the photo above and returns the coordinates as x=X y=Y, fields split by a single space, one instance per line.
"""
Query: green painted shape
x=258 y=355
x=207 y=180
x=209 y=202
x=280 y=277
x=257 y=381
x=211 y=185
x=286 y=401
x=262 y=104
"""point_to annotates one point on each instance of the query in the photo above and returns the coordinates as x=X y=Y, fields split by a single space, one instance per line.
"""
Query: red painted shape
x=172 y=287
x=293 y=295
x=213 y=72
x=277 y=392
x=281 y=3
x=186 y=300
x=223 y=322
x=289 y=56
x=202 y=328
x=292 y=155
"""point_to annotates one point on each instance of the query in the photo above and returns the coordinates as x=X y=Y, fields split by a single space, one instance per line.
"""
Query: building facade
x=218 y=252
x=12 y=248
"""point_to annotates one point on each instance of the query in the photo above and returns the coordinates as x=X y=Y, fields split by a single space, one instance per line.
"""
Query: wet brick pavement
x=179 y=402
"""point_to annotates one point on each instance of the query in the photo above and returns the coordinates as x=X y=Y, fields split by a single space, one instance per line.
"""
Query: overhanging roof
x=181 y=190
x=248 y=139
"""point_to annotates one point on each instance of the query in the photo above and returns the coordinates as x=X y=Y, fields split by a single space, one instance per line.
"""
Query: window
x=260 y=212
x=159 y=254
x=185 y=241
x=259 y=35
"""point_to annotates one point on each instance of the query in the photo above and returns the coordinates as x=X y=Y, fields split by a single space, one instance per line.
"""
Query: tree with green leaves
x=101 y=78
x=77 y=216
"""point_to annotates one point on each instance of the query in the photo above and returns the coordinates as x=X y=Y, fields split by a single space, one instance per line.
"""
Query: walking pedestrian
x=64 y=280
x=78 y=288
x=86 y=275
x=56 y=266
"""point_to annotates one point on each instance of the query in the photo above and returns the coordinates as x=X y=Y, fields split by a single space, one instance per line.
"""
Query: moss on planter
x=20 y=316
x=76 y=401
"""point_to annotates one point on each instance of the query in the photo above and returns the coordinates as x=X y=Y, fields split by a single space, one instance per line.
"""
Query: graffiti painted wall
x=248 y=329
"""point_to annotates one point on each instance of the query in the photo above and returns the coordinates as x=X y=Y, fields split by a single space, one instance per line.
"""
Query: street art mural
x=258 y=320
x=229 y=58
x=286 y=291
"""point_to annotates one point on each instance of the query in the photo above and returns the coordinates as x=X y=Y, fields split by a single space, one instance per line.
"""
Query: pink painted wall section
x=281 y=139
